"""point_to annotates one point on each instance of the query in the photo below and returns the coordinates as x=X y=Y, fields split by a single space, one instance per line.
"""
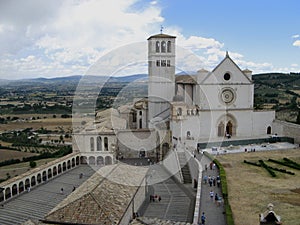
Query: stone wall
x=135 y=204
x=171 y=163
x=132 y=142
x=282 y=128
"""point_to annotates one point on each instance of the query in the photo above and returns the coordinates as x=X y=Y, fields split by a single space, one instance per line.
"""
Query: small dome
x=178 y=98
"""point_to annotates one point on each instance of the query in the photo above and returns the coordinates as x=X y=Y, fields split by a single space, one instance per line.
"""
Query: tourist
x=203 y=218
x=211 y=194
x=62 y=191
x=218 y=181
x=216 y=198
x=159 y=198
x=205 y=179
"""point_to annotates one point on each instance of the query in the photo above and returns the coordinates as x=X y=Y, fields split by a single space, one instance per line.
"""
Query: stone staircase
x=184 y=168
x=177 y=202
x=41 y=199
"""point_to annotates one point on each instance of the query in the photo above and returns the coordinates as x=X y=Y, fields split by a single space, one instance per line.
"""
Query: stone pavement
x=214 y=214
x=41 y=199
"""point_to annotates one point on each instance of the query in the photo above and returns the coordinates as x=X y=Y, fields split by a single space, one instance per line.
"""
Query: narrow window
x=163 y=63
x=168 y=63
x=169 y=46
x=163 y=46
x=106 y=144
x=92 y=144
x=157 y=45
x=157 y=63
x=99 y=143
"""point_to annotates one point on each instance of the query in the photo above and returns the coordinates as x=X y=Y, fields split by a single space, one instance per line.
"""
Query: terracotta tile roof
x=102 y=199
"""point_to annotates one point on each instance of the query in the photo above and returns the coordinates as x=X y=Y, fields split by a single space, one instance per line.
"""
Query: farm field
x=11 y=154
x=20 y=168
x=252 y=188
x=47 y=123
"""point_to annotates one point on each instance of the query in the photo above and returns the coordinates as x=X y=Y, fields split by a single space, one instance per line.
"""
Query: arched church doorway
x=269 y=130
x=229 y=128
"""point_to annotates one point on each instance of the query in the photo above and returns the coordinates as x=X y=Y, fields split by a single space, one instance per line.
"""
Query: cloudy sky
x=61 y=38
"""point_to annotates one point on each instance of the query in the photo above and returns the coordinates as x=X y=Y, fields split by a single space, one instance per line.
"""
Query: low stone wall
x=196 y=173
x=37 y=176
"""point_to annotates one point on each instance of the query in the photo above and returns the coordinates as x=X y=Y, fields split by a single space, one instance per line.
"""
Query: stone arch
x=69 y=164
x=39 y=178
x=100 y=160
x=7 y=193
x=1 y=196
x=21 y=187
x=64 y=166
x=108 y=160
x=44 y=175
x=269 y=130
x=27 y=183
x=59 y=168
x=14 y=190
x=77 y=160
x=54 y=169
x=33 y=182
x=49 y=173
x=73 y=162
x=226 y=125
x=91 y=160
x=83 y=160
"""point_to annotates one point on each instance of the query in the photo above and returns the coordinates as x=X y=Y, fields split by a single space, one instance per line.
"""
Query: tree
x=298 y=117
x=32 y=164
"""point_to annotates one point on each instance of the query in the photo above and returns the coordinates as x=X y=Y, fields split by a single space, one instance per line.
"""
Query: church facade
x=206 y=106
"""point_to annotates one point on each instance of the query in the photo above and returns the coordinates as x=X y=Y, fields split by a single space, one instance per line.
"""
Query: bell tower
x=161 y=70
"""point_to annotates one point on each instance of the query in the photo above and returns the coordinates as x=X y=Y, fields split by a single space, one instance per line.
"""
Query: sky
x=63 y=38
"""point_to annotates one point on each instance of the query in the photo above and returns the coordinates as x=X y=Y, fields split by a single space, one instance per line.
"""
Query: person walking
x=203 y=218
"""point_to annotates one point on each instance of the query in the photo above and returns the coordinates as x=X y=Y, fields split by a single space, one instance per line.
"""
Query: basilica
x=203 y=107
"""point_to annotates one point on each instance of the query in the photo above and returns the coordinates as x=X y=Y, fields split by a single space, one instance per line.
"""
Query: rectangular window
x=163 y=63
x=168 y=63
x=158 y=63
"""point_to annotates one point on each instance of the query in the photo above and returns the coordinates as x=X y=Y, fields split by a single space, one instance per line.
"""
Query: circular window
x=228 y=96
x=226 y=76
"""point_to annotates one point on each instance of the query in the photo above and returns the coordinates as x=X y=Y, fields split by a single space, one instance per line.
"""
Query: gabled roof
x=161 y=36
x=227 y=57
x=102 y=199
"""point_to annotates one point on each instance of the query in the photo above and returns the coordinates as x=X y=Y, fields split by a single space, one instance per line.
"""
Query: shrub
x=32 y=164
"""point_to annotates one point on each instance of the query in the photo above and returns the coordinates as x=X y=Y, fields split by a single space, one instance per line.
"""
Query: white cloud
x=296 y=36
x=57 y=38
x=296 y=43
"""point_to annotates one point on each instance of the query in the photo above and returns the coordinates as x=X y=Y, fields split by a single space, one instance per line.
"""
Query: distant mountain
x=74 y=79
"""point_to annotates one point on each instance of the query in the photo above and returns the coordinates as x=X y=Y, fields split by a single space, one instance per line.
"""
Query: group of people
x=153 y=198
x=212 y=180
